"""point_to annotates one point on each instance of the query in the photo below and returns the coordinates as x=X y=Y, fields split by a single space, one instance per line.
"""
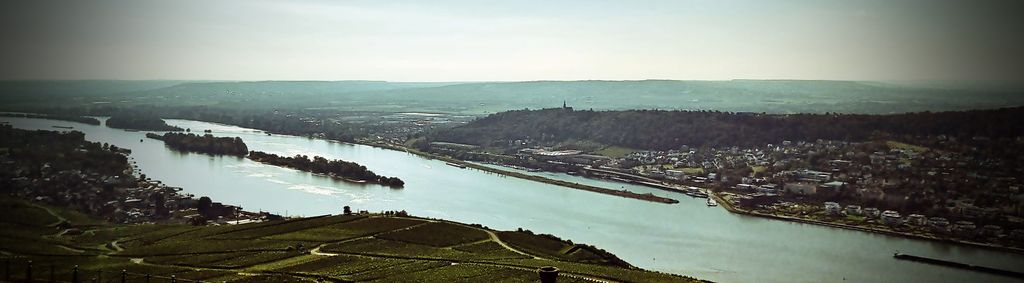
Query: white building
x=917 y=219
x=833 y=208
x=854 y=210
x=891 y=218
x=872 y=212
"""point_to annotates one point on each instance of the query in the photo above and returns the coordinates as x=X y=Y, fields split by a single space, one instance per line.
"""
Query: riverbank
x=728 y=205
x=578 y=186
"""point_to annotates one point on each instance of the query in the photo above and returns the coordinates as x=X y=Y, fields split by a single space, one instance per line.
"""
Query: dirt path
x=60 y=218
x=493 y=237
x=115 y=246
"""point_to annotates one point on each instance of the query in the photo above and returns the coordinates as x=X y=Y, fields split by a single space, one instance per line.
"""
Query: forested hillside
x=661 y=130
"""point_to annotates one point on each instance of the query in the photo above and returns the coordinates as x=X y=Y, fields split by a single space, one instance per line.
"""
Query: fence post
x=124 y=275
x=147 y=278
x=99 y=276
x=52 y=279
x=74 y=274
x=28 y=272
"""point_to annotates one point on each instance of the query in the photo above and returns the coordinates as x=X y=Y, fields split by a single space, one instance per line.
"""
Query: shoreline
x=571 y=185
x=619 y=193
x=728 y=206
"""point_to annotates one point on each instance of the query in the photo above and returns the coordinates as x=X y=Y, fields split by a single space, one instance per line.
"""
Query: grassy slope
x=335 y=248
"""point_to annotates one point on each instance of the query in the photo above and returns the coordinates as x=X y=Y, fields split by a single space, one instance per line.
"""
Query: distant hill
x=663 y=130
x=737 y=95
x=771 y=96
x=21 y=94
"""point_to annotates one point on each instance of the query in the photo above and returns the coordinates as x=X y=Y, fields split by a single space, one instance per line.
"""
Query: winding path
x=493 y=237
x=60 y=218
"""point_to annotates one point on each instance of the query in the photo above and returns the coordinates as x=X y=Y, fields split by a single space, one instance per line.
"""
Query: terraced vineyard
x=342 y=248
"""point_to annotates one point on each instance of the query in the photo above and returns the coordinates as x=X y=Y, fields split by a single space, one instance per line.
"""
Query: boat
x=696 y=194
x=63 y=127
x=455 y=165
x=712 y=202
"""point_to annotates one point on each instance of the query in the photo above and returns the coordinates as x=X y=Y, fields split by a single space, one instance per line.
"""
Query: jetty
x=959 y=265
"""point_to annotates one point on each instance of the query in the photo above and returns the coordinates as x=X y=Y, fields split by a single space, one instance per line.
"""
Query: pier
x=959 y=265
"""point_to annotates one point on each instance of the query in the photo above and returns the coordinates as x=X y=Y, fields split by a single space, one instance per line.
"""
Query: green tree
x=204 y=206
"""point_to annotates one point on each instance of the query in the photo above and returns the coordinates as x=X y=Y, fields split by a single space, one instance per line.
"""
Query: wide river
x=687 y=238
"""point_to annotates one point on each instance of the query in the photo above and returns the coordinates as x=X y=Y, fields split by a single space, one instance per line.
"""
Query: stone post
x=548 y=274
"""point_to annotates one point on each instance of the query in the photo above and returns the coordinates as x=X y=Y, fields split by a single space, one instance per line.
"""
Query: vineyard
x=61 y=245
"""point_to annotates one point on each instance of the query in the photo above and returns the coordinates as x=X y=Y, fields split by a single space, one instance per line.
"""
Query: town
x=63 y=169
x=949 y=190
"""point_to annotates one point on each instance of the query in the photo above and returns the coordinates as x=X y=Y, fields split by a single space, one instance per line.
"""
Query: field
x=616 y=151
x=900 y=145
x=340 y=248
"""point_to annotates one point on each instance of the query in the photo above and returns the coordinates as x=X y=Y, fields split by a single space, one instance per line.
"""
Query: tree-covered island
x=204 y=144
x=137 y=120
x=349 y=171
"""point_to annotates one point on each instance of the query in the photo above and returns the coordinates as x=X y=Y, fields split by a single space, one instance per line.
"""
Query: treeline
x=335 y=168
x=663 y=130
x=205 y=144
x=139 y=120
x=79 y=119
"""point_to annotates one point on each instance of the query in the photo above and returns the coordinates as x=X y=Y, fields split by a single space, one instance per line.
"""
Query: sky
x=886 y=40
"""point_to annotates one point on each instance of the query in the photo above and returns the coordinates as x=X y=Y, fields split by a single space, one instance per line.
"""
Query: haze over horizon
x=468 y=41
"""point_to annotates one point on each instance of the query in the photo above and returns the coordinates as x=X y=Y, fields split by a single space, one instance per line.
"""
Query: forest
x=204 y=144
x=337 y=168
x=664 y=130
x=139 y=120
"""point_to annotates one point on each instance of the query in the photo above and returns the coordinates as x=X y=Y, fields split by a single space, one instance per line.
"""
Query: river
x=687 y=238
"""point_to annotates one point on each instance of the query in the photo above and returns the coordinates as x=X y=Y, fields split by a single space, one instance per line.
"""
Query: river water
x=687 y=238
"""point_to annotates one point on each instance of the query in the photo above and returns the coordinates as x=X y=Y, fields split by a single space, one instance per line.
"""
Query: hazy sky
x=513 y=40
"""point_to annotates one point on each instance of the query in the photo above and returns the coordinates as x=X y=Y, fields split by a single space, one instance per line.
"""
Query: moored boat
x=455 y=165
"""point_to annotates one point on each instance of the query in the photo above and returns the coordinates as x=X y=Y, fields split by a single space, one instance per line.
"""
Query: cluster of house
x=962 y=228
x=952 y=178
x=121 y=198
